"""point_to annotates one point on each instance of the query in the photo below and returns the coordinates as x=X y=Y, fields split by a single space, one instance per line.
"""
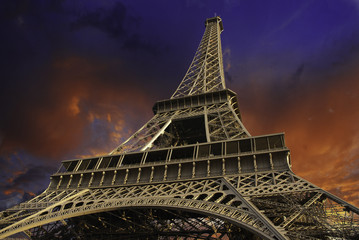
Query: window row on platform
x=193 y=101
x=277 y=161
x=194 y=152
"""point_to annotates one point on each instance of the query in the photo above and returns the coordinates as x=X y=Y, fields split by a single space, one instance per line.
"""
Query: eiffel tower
x=193 y=171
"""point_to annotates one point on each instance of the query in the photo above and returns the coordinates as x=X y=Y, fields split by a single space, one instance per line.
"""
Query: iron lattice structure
x=192 y=172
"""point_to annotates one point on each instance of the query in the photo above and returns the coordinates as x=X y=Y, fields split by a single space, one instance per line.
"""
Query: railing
x=222 y=158
x=241 y=147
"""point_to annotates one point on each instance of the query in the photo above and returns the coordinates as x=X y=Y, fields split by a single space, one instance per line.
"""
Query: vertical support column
x=138 y=175
x=152 y=171
x=223 y=166
x=179 y=171
x=68 y=185
x=59 y=184
x=114 y=177
x=239 y=165
x=255 y=163
x=126 y=176
x=288 y=160
x=81 y=176
x=271 y=161
x=91 y=179
x=50 y=182
x=102 y=178
x=208 y=168
x=165 y=173
x=193 y=169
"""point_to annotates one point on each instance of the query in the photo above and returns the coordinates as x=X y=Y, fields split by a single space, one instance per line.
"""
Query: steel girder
x=276 y=205
x=209 y=197
x=222 y=123
x=146 y=224
x=205 y=73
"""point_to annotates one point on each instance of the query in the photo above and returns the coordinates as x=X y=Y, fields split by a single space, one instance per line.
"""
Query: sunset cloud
x=78 y=79
x=81 y=106
x=320 y=122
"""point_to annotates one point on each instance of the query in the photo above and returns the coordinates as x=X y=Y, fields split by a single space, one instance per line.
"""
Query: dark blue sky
x=78 y=77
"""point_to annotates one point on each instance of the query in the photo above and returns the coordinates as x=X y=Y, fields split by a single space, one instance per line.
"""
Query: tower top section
x=205 y=73
x=216 y=20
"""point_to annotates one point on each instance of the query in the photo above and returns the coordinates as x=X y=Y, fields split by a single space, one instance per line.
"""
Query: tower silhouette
x=193 y=171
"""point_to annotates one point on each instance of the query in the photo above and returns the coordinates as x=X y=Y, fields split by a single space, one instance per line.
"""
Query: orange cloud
x=321 y=126
x=75 y=98
x=10 y=191
x=74 y=106
x=15 y=174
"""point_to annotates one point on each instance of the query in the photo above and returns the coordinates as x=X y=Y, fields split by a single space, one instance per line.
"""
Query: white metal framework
x=192 y=172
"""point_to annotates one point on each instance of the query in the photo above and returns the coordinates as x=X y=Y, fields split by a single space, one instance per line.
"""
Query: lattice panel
x=205 y=73
x=210 y=196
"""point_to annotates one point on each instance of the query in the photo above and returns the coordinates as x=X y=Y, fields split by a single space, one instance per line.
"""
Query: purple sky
x=78 y=77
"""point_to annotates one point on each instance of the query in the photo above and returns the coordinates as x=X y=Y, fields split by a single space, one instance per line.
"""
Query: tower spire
x=205 y=73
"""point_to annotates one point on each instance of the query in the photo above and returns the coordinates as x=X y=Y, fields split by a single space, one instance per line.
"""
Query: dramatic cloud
x=78 y=115
x=79 y=77
x=320 y=121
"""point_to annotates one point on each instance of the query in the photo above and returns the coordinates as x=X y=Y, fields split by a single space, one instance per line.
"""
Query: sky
x=79 y=76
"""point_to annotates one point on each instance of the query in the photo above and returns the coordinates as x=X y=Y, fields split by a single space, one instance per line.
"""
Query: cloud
x=73 y=110
x=116 y=22
x=320 y=120
x=298 y=73
x=84 y=110
x=22 y=177
x=111 y=21
x=63 y=95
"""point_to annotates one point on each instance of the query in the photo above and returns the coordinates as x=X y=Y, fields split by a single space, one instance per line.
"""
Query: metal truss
x=205 y=73
x=277 y=205
x=304 y=210
x=211 y=196
x=221 y=122
x=191 y=172
x=224 y=124
x=148 y=224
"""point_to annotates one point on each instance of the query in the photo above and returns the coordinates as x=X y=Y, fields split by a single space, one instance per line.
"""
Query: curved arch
x=236 y=216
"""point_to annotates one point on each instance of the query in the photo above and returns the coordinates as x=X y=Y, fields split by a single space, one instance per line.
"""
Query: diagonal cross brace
x=271 y=227
x=302 y=208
